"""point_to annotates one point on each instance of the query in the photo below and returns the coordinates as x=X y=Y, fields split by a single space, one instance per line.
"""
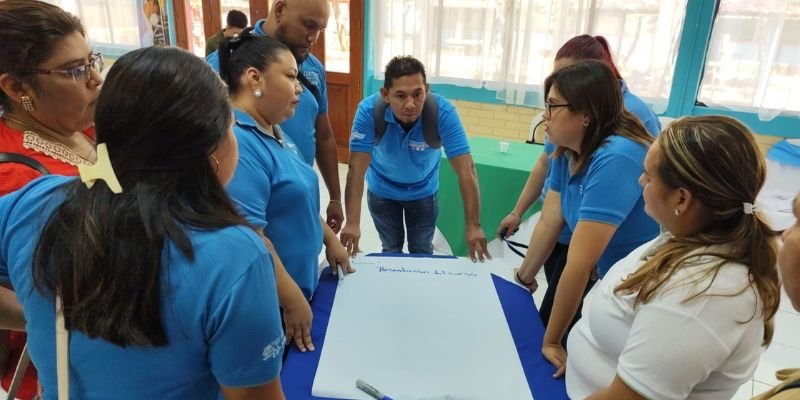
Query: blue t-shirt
x=635 y=106
x=608 y=191
x=403 y=166
x=302 y=127
x=220 y=313
x=277 y=192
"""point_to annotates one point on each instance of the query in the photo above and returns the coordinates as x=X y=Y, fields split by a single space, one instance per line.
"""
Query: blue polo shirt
x=607 y=191
x=403 y=166
x=220 y=313
x=302 y=127
x=635 y=106
x=277 y=192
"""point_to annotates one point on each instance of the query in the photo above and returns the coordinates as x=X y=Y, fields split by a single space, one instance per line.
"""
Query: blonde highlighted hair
x=716 y=159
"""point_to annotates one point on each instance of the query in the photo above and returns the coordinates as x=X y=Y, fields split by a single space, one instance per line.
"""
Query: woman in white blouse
x=686 y=315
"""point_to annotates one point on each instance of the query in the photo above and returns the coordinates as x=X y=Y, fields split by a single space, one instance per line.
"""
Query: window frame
x=689 y=67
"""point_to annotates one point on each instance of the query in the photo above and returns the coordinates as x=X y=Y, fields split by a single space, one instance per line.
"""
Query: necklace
x=44 y=143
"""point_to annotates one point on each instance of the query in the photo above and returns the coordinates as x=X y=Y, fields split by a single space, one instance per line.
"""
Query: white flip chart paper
x=419 y=329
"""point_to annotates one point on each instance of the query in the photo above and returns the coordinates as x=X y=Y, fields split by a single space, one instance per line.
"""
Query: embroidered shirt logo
x=417 y=146
x=312 y=77
x=293 y=148
x=273 y=349
x=358 y=135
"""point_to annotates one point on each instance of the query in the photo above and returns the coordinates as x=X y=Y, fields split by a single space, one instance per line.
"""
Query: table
x=501 y=177
x=297 y=376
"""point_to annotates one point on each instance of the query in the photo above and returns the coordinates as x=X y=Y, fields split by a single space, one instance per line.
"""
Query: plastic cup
x=504 y=147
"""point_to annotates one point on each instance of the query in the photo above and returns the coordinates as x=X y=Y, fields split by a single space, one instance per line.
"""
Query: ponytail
x=244 y=51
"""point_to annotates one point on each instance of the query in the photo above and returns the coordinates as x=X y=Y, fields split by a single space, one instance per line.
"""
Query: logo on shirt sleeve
x=358 y=136
x=274 y=349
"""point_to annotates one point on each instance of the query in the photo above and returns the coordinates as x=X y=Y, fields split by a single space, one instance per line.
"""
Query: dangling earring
x=216 y=170
x=677 y=212
x=258 y=93
x=27 y=104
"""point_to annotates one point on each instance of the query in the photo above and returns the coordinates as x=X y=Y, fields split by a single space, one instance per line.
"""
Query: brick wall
x=514 y=123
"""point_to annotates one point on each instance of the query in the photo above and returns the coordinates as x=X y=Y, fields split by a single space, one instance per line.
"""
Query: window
x=337 y=37
x=109 y=23
x=753 y=58
x=509 y=45
x=117 y=26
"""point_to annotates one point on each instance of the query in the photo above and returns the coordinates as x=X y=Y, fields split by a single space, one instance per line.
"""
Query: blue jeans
x=420 y=220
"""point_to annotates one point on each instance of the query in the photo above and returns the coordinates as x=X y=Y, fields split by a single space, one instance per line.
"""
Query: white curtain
x=753 y=58
x=509 y=45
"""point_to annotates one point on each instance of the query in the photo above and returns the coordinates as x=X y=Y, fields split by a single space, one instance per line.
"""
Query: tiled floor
x=783 y=353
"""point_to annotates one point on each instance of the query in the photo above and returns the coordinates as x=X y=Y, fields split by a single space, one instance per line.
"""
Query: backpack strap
x=380 y=121
x=24 y=160
x=430 y=120
x=310 y=86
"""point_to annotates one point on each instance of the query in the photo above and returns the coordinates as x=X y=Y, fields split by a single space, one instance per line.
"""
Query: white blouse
x=669 y=348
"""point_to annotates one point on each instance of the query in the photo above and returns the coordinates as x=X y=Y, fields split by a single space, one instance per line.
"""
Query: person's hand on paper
x=338 y=258
x=349 y=238
x=509 y=226
x=297 y=317
x=556 y=355
x=532 y=285
x=476 y=241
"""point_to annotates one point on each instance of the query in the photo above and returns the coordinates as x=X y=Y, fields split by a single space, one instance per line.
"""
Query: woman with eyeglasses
x=594 y=190
x=142 y=272
x=579 y=48
x=49 y=83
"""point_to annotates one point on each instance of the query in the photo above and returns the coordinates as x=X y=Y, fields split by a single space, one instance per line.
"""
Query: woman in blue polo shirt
x=594 y=190
x=274 y=188
x=581 y=47
x=167 y=292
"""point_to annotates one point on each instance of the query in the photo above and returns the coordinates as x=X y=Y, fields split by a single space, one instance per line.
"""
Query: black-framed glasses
x=85 y=70
x=548 y=107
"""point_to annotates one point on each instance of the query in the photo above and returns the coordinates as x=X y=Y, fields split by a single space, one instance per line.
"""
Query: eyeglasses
x=548 y=107
x=85 y=70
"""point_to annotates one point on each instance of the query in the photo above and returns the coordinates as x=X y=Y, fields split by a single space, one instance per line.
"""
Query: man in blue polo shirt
x=297 y=24
x=402 y=165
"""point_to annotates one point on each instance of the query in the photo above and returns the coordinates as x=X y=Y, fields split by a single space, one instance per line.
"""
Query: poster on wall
x=154 y=23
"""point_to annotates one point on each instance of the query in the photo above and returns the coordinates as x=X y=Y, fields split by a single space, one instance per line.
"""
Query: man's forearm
x=329 y=165
x=354 y=192
x=470 y=195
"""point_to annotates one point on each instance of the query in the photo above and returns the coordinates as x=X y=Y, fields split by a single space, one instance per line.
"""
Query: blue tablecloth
x=521 y=315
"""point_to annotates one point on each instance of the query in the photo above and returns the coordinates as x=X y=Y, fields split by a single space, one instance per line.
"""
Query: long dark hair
x=590 y=87
x=29 y=30
x=717 y=160
x=244 y=51
x=161 y=113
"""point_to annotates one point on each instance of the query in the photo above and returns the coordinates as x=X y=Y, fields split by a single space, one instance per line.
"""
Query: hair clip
x=101 y=170
x=749 y=208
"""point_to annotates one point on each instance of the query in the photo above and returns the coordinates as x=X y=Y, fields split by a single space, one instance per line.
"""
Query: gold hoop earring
x=216 y=170
x=26 y=102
